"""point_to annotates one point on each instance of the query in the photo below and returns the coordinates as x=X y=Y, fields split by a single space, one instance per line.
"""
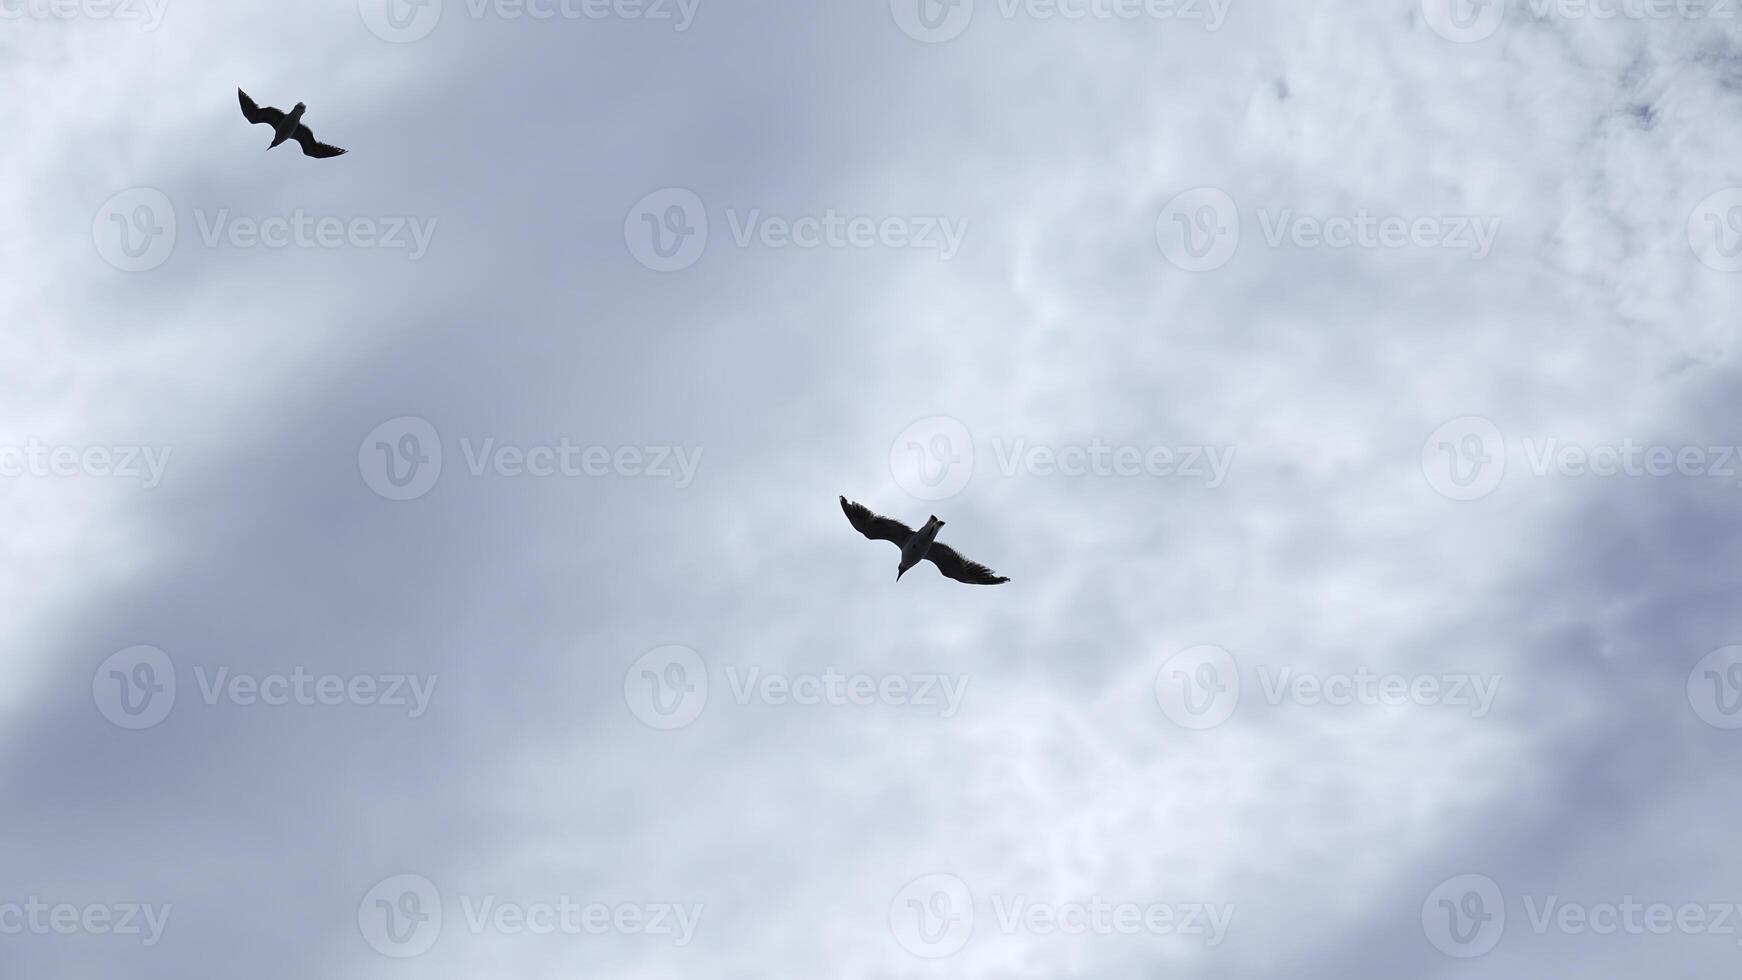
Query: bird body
x=286 y=126
x=918 y=546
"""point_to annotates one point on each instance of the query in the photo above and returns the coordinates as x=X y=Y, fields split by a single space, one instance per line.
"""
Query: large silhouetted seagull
x=918 y=546
x=287 y=127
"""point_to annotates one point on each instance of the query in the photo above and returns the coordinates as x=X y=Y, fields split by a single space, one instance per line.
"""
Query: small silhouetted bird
x=286 y=126
x=918 y=546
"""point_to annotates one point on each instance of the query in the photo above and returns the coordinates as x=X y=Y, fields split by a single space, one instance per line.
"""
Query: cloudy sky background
x=1596 y=143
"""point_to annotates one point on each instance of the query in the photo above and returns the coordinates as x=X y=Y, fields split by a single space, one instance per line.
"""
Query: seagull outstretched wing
x=875 y=526
x=954 y=566
x=312 y=148
x=255 y=114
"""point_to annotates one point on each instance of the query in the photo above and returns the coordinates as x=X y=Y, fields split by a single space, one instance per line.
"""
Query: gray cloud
x=1061 y=322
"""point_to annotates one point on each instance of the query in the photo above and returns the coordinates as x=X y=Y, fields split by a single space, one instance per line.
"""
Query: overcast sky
x=427 y=563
